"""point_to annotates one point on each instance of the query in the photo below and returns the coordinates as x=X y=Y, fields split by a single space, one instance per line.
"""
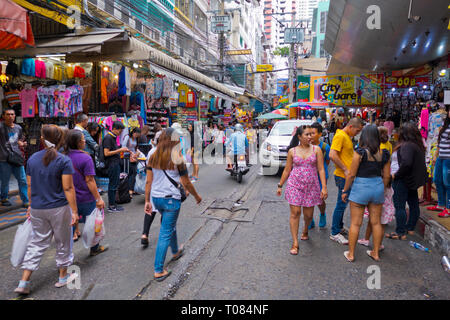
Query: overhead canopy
x=15 y=27
x=190 y=82
x=70 y=43
x=398 y=44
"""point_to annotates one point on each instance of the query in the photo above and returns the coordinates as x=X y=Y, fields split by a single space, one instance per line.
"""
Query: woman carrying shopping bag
x=166 y=173
x=87 y=194
x=53 y=209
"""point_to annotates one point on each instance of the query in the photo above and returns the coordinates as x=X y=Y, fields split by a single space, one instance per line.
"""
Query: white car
x=273 y=153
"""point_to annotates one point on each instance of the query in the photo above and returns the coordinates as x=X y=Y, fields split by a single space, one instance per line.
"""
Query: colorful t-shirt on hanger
x=191 y=99
x=58 y=73
x=159 y=83
x=167 y=87
x=49 y=69
x=103 y=91
x=182 y=91
x=28 y=100
x=28 y=67
x=79 y=72
x=68 y=72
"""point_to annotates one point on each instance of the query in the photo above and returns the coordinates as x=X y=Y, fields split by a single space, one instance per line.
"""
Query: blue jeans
x=169 y=209
x=84 y=210
x=402 y=195
x=114 y=180
x=19 y=173
x=442 y=182
x=338 y=214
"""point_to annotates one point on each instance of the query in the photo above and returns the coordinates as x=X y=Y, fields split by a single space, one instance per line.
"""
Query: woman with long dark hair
x=165 y=172
x=131 y=142
x=303 y=189
x=442 y=169
x=411 y=175
x=53 y=209
x=86 y=190
x=369 y=175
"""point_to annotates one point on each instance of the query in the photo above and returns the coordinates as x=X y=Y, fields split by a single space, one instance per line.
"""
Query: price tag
x=33 y=141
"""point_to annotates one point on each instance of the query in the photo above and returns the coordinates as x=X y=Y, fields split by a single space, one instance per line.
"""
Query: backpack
x=123 y=192
x=324 y=149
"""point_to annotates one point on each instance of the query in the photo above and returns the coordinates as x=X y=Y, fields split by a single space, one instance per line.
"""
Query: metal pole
x=291 y=65
x=222 y=45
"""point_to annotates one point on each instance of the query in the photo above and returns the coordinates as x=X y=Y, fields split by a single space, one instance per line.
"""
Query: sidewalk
x=434 y=229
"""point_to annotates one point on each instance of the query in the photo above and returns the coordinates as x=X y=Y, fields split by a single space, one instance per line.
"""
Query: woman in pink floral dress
x=303 y=190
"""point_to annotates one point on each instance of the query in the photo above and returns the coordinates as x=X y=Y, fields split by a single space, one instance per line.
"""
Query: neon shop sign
x=330 y=92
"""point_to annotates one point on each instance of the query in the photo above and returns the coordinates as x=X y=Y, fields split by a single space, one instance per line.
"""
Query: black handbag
x=13 y=158
x=179 y=186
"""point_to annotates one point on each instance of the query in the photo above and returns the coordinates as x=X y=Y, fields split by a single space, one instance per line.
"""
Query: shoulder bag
x=13 y=158
x=177 y=185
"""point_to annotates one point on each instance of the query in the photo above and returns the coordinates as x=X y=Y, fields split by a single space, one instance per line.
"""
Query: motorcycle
x=239 y=168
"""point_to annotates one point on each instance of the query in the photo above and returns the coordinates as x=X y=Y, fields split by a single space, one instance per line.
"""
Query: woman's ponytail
x=53 y=139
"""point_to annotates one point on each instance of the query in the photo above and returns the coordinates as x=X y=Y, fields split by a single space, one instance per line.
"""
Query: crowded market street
x=235 y=260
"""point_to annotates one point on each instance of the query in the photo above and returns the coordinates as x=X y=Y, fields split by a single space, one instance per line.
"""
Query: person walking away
x=53 y=208
x=251 y=137
x=388 y=210
x=11 y=140
x=194 y=155
x=389 y=124
x=82 y=121
x=112 y=162
x=325 y=148
x=442 y=169
x=237 y=144
x=144 y=141
x=341 y=154
x=131 y=142
x=369 y=176
x=87 y=195
x=303 y=189
x=165 y=170
x=411 y=175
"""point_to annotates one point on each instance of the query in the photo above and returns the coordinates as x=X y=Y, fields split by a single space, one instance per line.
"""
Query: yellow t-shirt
x=182 y=90
x=343 y=144
x=387 y=146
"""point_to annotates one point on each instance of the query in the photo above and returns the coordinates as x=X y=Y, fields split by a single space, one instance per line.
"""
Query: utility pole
x=292 y=65
x=222 y=44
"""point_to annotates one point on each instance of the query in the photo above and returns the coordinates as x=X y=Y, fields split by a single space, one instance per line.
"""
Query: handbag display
x=13 y=158
x=179 y=186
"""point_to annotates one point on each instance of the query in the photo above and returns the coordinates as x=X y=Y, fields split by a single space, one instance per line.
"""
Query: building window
x=323 y=21
x=322 y=50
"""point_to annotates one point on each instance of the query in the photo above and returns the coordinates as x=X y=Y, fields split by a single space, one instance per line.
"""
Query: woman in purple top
x=87 y=194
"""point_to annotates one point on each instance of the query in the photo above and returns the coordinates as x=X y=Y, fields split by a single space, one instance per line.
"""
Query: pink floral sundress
x=303 y=187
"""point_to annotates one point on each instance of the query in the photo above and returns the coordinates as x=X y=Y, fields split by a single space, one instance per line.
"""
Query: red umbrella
x=15 y=27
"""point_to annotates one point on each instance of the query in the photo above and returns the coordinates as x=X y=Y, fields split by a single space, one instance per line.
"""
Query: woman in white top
x=131 y=142
x=165 y=172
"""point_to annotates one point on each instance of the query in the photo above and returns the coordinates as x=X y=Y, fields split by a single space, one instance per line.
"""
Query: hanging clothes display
x=28 y=101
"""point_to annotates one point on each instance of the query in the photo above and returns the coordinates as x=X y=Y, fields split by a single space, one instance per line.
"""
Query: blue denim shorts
x=365 y=190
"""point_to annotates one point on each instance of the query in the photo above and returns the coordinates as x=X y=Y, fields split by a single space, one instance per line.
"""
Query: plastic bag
x=93 y=221
x=23 y=237
x=141 y=179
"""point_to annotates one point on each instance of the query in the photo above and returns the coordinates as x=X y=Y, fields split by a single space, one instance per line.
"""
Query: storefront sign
x=407 y=81
x=347 y=90
x=264 y=67
x=283 y=99
x=220 y=24
x=282 y=85
x=303 y=88
x=238 y=52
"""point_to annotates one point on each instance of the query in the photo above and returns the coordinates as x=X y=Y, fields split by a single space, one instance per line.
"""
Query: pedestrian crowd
x=377 y=178
x=68 y=166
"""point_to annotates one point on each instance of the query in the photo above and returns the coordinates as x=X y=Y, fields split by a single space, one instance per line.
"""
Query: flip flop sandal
x=346 y=256
x=369 y=254
x=304 y=238
x=162 y=278
x=395 y=236
x=179 y=254
x=295 y=249
x=63 y=281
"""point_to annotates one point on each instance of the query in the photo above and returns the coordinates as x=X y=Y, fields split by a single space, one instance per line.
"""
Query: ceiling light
x=135 y=65
x=424 y=86
x=393 y=89
x=105 y=68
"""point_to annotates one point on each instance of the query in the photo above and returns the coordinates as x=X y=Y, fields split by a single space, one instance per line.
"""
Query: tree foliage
x=281 y=51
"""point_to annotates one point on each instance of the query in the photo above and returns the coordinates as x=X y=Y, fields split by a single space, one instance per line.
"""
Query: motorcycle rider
x=237 y=143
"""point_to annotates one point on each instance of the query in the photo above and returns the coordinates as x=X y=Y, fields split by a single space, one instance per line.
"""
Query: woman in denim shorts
x=369 y=175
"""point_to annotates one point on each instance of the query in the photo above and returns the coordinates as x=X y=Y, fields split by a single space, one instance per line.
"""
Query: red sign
x=407 y=81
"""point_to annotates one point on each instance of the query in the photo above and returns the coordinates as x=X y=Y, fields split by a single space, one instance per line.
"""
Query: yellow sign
x=283 y=99
x=264 y=67
x=238 y=52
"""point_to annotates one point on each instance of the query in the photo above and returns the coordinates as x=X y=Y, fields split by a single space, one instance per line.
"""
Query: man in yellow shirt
x=342 y=154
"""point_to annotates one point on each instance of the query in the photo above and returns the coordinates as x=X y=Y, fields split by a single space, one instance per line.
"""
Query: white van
x=273 y=152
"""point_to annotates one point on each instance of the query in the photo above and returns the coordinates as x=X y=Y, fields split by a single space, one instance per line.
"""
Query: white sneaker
x=339 y=238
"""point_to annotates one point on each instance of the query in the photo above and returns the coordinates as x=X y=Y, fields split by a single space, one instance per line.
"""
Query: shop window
x=323 y=21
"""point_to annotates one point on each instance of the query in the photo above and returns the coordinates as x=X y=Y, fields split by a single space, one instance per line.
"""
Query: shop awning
x=135 y=50
x=15 y=27
x=399 y=43
x=70 y=43
x=190 y=82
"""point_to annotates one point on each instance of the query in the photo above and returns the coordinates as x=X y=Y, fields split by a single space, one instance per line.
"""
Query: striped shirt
x=444 y=145
x=12 y=97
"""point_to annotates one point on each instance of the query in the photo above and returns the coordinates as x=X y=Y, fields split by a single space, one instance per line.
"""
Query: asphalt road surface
x=235 y=250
